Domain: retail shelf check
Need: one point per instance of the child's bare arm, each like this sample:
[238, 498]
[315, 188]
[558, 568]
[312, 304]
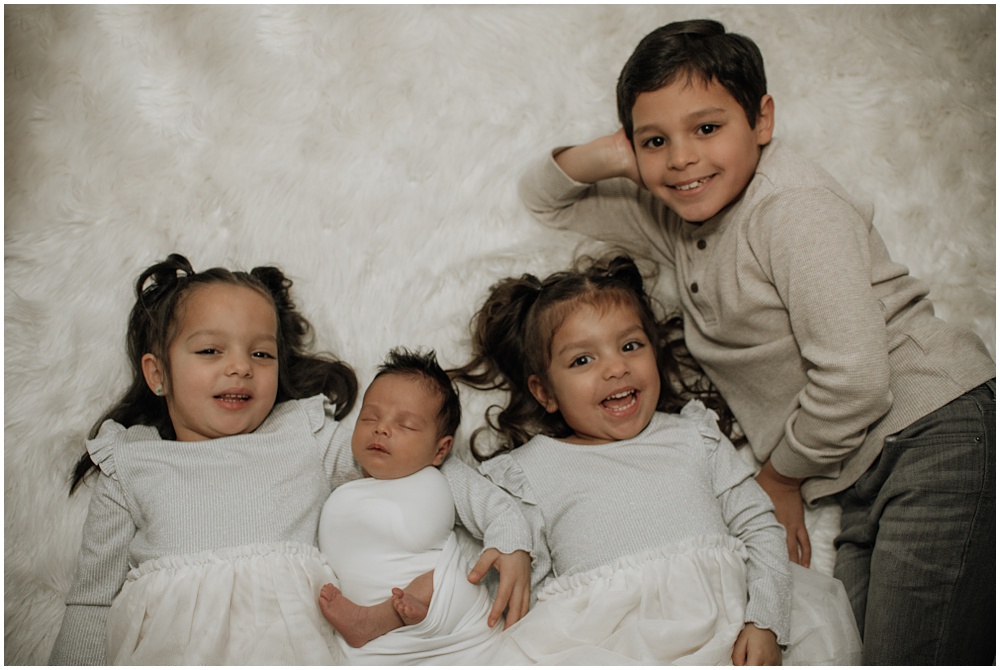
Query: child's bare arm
[514, 590]
[756, 646]
[603, 158]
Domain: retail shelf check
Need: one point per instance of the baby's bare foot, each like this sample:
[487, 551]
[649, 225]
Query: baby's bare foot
[356, 624]
[409, 608]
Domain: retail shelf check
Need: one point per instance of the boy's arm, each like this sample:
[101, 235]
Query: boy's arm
[786, 496]
[613, 209]
[816, 249]
[101, 571]
[603, 158]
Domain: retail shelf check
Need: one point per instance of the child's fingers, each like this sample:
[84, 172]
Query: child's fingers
[805, 547]
[740, 651]
[483, 565]
[500, 604]
[518, 606]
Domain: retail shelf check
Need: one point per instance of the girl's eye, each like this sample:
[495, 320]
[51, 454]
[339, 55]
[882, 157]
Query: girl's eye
[263, 354]
[654, 142]
[634, 345]
[580, 360]
[208, 351]
[707, 128]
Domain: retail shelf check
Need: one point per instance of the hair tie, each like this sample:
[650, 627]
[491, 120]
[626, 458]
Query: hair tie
[533, 282]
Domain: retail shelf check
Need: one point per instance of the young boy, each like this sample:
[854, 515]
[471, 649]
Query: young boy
[827, 351]
[399, 520]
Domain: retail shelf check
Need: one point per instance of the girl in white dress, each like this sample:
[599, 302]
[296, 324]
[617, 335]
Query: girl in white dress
[652, 541]
[199, 544]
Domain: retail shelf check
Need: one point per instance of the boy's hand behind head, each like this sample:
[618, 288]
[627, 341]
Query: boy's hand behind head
[606, 157]
[624, 155]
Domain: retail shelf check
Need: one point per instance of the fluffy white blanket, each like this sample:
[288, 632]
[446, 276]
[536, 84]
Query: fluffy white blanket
[372, 153]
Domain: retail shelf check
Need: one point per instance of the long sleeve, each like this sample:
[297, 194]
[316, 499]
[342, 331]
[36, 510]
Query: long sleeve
[750, 516]
[504, 472]
[334, 440]
[101, 571]
[836, 320]
[486, 511]
[614, 210]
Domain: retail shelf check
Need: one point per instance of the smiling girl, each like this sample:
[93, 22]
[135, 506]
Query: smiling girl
[653, 543]
[199, 545]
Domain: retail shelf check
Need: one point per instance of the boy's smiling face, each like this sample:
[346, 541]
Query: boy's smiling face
[694, 146]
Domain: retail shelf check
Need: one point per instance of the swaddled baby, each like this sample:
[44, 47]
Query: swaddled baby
[392, 532]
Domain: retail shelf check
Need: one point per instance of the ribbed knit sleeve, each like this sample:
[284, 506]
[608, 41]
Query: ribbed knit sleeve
[749, 514]
[333, 440]
[101, 571]
[505, 472]
[485, 510]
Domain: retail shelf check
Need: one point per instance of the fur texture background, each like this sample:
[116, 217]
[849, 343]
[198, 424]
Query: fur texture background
[372, 153]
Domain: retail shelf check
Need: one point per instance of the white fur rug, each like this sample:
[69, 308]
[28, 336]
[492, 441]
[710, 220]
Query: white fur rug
[372, 153]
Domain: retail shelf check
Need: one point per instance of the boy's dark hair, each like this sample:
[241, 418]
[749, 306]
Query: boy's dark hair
[512, 336]
[401, 361]
[700, 48]
[160, 292]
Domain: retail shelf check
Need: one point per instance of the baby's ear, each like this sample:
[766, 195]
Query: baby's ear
[542, 395]
[443, 449]
[154, 374]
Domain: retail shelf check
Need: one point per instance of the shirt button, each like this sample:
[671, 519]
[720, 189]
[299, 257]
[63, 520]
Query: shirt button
[694, 287]
[702, 244]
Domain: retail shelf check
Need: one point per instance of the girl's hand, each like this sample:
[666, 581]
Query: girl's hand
[756, 646]
[603, 158]
[514, 591]
[786, 494]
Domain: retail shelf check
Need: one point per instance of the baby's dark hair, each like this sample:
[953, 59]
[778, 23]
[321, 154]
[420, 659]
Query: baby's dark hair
[700, 49]
[160, 293]
[512, 336]
[424, 365]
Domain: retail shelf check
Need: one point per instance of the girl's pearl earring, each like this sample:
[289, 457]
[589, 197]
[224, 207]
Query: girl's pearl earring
[158, 391]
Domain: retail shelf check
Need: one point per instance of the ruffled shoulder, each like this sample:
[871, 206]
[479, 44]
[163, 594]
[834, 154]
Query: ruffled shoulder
[504, 471]
[705, 420]
[317, 410]
[728, 467]
[113, 436]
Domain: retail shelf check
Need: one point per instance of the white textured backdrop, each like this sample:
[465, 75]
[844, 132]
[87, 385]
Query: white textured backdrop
[372, 153]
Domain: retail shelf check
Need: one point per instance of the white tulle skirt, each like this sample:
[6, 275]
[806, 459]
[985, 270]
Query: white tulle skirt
[682, 604]
[252, 605]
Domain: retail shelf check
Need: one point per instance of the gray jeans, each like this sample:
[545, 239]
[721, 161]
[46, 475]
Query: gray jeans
[917, 548]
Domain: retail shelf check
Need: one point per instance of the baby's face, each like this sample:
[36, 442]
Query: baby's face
[397, 432]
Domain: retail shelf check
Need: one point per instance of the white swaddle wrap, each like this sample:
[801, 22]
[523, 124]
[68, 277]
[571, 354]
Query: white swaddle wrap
[382, 533]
